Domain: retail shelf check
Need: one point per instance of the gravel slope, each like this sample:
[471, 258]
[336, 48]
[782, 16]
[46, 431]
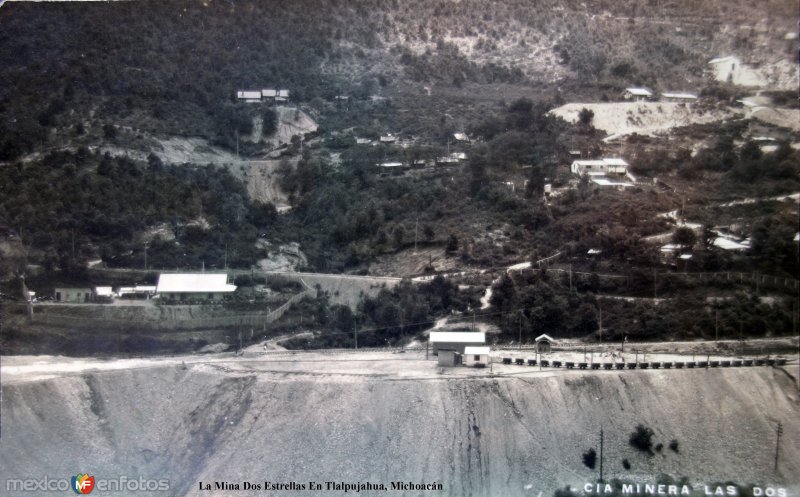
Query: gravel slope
[508, 436]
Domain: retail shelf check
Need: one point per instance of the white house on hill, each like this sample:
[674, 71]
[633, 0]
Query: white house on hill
[248, 96]
[638, 94]
[599, 167]
[194, 286]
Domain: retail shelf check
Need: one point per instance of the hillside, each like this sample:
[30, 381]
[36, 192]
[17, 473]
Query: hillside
[174, 67]
[355, 418]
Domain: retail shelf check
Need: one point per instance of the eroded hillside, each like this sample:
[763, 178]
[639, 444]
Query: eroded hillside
[516, 435]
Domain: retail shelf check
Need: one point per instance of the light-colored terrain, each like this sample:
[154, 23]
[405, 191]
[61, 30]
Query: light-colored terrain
[343, 289]
[178, 150]
[644, 118]
[291, 122]
[383, 417]
[261, 179]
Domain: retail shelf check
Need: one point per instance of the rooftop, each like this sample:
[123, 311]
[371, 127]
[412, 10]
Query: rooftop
[458, 336]
[686, 96]
[642, 92]
[194, 283]
[613, 161]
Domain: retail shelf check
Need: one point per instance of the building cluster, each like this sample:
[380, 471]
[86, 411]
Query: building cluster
[256, 96]
[171, 288]
[605, 172]
[468, 348]
[643, 95]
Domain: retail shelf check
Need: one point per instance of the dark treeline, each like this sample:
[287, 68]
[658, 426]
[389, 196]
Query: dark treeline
[72, 207]
[393, 317]
[180, 63]
[535, 302]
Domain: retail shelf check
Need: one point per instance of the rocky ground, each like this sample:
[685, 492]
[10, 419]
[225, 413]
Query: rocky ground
[382, 417]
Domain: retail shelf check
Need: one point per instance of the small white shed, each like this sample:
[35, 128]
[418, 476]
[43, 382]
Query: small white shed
[474, 356]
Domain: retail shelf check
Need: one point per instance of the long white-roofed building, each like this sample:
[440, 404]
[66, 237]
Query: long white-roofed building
[456, 341]
[183, 287]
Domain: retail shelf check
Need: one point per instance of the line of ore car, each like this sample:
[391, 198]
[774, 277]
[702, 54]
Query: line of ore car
[647, 365]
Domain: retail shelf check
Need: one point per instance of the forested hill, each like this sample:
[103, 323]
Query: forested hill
[173, 66]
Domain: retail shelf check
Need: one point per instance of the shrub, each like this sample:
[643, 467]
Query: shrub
[626, 464]
[659, 447]
[642, 439]
[590, 458]
[673, 445]
[564, 492]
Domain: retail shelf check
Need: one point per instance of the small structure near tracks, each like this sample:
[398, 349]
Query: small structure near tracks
[543, 343]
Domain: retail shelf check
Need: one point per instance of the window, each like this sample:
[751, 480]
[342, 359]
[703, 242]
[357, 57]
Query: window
[477, 357]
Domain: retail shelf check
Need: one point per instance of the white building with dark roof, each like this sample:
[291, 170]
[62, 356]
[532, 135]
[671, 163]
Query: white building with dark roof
[194, 286]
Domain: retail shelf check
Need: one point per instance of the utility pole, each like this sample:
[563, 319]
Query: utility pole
[778, 432]
[416, 225]
[145, 257]
[355, 334]
[520, 331]
[655, 284]
[601, 455]
[570, 278]
[600, 308]
[716, 325]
